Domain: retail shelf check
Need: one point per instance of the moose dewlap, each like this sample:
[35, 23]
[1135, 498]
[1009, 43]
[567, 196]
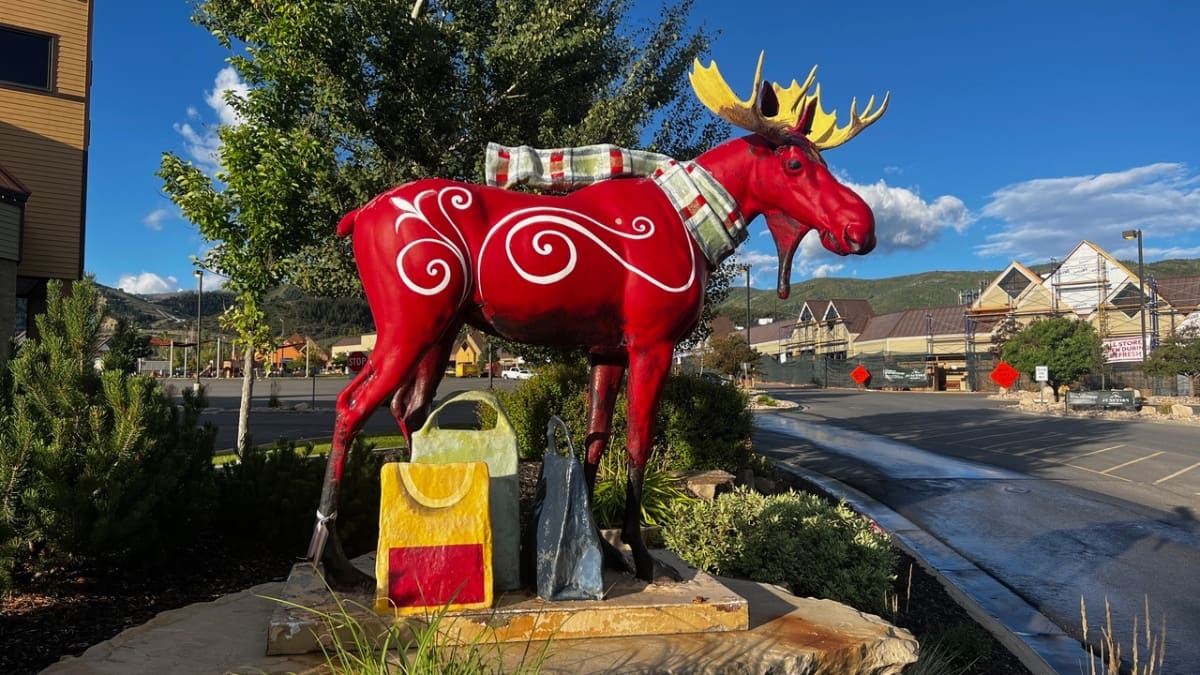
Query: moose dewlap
[435, 538]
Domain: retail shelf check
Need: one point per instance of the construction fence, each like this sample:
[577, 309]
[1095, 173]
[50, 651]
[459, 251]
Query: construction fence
[915, 371]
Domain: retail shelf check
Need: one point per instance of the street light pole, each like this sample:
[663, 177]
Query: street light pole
[746, 269]
[199, 274]
[1137, 234]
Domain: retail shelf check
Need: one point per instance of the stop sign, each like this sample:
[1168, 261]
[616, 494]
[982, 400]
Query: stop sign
[356, 360]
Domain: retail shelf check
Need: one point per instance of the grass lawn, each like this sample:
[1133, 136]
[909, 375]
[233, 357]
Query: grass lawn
[378, 441]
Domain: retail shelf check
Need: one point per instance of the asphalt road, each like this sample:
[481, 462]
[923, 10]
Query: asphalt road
[1057, 509]
[1149, 463]
[306, 410]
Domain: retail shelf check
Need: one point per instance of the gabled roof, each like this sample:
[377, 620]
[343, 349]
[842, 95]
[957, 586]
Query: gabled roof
[855, 312]
[815, 307]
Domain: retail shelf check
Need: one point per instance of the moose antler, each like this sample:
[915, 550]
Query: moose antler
[796, 111]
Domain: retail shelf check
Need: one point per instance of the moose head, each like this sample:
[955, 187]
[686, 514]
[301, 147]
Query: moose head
[787, 180]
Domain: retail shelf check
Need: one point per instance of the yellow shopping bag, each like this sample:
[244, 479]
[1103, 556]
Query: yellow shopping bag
[435, 538]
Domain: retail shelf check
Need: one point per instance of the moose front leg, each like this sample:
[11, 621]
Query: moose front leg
[648, 369]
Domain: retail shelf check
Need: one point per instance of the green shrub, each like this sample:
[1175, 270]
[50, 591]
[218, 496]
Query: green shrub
[704, 425]
[269, 497]
[97, 468]
[556, 389]
[660, 491]
[701, 424]
[797, 540]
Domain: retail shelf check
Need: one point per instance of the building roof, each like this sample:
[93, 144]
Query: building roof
[1182, 293]
[771, 332]
[348, 342]
[946, 320]
[855, 312]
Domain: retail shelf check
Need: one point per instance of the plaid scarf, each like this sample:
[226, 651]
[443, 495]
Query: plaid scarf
[708, 212]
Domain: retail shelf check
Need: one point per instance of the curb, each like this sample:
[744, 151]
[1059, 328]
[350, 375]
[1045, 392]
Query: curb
[1038, 643]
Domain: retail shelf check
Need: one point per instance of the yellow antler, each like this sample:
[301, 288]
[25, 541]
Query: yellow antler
[823, 132]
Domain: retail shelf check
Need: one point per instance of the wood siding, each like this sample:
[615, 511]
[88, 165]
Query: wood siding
[43, 137]
[10, 232]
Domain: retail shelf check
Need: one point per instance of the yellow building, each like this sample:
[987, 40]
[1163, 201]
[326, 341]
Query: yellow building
[45, 80]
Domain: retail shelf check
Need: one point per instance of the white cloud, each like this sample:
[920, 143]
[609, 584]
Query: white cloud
[227, 81]
[822, 271]
[763, 267]
[1050, 215]
[202, 143]
[146, 283]
[905, 221]
[154, 220]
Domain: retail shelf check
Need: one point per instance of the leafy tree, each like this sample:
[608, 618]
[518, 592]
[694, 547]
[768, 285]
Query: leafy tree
[271, 178]
[727, 354]
[407, 92]
[1177, 354]
[1070, 348]
[95, 466]
[126, 345]
[1004, 331]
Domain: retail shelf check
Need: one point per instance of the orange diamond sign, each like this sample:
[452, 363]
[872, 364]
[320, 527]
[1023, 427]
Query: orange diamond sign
[1004, 375]
[860, 374]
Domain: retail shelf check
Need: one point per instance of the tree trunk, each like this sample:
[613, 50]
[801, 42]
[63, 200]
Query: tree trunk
[244, 410]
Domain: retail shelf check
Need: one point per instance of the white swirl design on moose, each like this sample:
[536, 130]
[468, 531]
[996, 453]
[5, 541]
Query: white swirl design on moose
[437, 267]
[640, 228]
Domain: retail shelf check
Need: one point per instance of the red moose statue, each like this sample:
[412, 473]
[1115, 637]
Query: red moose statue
[618, 267]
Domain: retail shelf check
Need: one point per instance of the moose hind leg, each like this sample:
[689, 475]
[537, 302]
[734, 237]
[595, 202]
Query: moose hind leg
[390, 366]
[605, 383]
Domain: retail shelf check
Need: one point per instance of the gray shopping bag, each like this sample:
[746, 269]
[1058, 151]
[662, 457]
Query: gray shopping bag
[561, 543]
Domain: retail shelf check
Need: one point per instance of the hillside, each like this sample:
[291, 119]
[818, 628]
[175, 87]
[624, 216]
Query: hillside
[928, 289]
[291, 310]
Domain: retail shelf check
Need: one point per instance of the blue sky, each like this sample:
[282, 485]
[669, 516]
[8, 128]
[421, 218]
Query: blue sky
[1016, 129]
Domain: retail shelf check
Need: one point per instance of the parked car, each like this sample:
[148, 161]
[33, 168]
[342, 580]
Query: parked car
[516, 373]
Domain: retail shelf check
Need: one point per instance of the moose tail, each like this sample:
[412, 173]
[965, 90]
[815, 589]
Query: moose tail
[346, 224]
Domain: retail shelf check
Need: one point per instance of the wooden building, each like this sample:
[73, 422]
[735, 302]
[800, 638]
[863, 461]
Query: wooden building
[45, 81]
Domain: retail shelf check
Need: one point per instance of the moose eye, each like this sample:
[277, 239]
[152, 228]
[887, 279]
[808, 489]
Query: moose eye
[793, 165]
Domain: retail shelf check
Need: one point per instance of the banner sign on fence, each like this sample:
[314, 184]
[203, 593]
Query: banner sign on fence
[1123, 400]
[1117, 350]
[914, 376]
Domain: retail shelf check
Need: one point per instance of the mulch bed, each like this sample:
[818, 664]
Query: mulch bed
[65, 613]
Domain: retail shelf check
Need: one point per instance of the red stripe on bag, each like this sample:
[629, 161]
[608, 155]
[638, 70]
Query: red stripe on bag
[431, 576]
[556, 166]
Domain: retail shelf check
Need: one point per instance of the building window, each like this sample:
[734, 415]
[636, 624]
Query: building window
[25, 58]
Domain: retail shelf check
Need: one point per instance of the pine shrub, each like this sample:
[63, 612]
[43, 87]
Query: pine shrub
[97, 467]
[269, 497]
[796, 540]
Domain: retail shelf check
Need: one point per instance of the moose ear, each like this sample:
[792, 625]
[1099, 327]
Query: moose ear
[804, 124]
[768, 101]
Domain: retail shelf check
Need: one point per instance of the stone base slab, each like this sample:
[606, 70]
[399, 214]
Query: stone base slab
[631, 607]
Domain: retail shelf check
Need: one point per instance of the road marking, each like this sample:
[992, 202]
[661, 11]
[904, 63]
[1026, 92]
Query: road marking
[1177, 473]
[1096, 452]
[1132, 461]
[1039, 449]
[1100, 473]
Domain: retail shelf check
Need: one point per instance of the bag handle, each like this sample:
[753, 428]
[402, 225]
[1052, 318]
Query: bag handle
[502, 423]
[552, 440]
[435, 502]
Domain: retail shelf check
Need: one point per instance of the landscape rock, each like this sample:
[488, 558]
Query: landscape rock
[708, 484]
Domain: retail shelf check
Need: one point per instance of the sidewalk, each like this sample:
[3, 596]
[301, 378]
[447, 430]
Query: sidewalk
[1018, 552]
